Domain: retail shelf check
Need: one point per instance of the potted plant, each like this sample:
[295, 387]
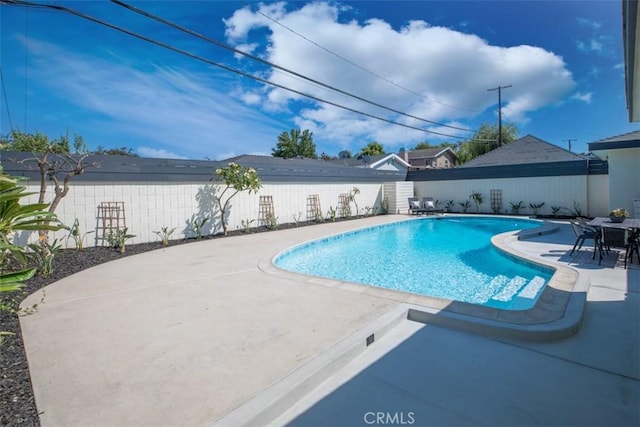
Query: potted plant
[618, 215]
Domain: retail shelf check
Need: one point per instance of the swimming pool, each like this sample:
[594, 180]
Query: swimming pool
[444, 257]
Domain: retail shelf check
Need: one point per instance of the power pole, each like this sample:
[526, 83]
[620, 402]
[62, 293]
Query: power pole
[499, 89]
[569, 142]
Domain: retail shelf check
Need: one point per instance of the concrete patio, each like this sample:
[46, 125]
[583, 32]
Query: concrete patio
[200, 334]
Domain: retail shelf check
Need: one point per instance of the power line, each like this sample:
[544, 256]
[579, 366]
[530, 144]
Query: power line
[361, 67]
[208, 61]
[6, 100]
[271, 64]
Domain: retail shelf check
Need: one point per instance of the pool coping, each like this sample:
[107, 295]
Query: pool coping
[557, 314]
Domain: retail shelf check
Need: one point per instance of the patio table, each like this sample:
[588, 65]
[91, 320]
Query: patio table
[601, 221]
[629, 223]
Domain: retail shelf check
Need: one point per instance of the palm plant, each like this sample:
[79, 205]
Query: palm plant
[477, 199]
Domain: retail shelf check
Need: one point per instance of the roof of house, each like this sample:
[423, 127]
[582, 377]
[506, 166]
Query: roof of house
[371, 161]
[270, 169]
[358, 160]
[429, 153]
[525, 150]
[303, 169]
[626, 140]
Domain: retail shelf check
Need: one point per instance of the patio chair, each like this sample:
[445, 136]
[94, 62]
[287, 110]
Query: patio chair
[620, 238]
[430, 206]
[583, 232]
[415, 207]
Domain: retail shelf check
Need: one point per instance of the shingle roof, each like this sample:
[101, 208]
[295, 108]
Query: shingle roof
[427, 153]
[361, 161]
[626, 140]
[277, 169]
[358, 160]
[270, 169]
[525, 150]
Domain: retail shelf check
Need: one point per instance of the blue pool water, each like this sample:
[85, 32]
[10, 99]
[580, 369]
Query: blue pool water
[444, 257]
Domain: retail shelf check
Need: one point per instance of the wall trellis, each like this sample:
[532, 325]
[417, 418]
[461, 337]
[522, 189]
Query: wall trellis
[314, 211]
[111, 217]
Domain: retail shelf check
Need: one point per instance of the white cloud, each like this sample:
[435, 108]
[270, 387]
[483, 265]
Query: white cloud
[157, 154]
[591, 45]
[178, 112]
[584, 97]
[589, 23]
[449, 70]
[248, 48]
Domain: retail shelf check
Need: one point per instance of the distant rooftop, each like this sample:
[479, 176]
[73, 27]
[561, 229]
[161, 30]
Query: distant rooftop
[525, 150]
[427, 153]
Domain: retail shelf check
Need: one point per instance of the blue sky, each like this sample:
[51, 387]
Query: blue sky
[429, 63]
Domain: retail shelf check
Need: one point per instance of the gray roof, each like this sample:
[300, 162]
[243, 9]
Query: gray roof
[139, 169]
[626, 140]
[427, 153]
[276, 169]
[359, 160]
[525, 150]
[118, 168]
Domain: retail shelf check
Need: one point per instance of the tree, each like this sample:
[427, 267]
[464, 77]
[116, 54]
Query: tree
[122, 151]
[485, 140]
[236, 178]
[372, 149]
[423, 145]
[295, 144]
[53, 158]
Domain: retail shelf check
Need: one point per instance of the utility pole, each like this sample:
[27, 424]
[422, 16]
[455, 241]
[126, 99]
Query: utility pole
[569, 142]
[499, 89]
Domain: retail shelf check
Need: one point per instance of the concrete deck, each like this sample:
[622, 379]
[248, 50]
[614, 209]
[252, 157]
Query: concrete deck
[204, 334]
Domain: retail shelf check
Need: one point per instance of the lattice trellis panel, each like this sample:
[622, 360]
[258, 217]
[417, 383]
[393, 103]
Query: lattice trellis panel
[314, 211]
[111, 217]
[266, 211]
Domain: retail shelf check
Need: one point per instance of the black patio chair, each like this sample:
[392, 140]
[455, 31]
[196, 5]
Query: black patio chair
[620, 238]
[583, 233]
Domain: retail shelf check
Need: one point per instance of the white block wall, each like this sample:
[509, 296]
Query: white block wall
[153, 205]
[590, 193]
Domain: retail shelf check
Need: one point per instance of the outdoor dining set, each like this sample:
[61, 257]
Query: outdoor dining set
[607, 233]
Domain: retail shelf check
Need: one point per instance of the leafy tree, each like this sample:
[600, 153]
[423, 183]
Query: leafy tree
[372, 149]
[37, 142]
[485, 140]
[53, 158]
[122, 151]
[236, 178]
[423, 145]
[296, 143]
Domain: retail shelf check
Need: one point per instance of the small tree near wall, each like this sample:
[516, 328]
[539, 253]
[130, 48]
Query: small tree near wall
[236, 178]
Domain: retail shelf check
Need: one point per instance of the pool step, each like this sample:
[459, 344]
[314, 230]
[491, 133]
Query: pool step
[510, 289]
[531, 290]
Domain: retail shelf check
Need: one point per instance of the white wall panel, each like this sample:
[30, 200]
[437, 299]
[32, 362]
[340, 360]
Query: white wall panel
[151, 206]
[553, 191]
